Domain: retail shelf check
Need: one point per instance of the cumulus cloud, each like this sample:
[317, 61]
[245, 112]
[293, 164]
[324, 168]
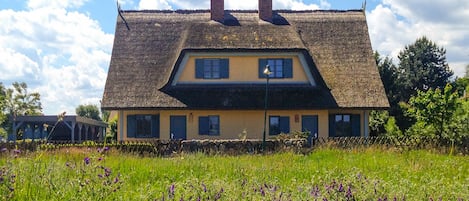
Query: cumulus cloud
[154, 4]
[62, 54]
[33, 4]
[393, 24]
[232, 5]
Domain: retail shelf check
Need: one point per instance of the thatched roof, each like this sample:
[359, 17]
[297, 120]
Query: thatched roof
[335, 43]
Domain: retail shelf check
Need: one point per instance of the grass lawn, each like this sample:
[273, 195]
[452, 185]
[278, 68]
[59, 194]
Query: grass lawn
[325, 174]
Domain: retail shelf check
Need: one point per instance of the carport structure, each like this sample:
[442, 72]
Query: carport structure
[67, 128]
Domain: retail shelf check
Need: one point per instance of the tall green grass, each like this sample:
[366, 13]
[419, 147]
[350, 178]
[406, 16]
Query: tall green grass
[331, 174]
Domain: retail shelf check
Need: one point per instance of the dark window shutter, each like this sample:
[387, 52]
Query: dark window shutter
[331, 125]
[284, 124]
[199, 68]
[287, 68]
[224, 68]
[155, 126]
[203, 126]
[131, 126]
[355, 121]
[262, 64]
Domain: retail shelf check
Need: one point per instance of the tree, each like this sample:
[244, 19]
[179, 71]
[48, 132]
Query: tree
[460, 85]
[389, 76]
[89, 111]
[3, 116]
[422, 66]
[20, 102]
[17, 101]
[435, 109]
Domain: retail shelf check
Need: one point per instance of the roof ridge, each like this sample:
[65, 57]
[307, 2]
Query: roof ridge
[188, 11]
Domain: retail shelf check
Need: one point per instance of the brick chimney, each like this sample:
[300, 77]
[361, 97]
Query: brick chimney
[217, 10]
[265, 10]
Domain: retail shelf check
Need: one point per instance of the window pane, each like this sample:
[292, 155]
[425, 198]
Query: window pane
[207, 71]
[346, 118]
[338, 118]
[215, 72]
[271, 63]
[279, 62]
[143, 126]
[214, 125]
[215, 62]
[274, 125]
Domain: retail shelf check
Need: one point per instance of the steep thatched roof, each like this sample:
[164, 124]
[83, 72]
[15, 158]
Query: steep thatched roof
[335, 43]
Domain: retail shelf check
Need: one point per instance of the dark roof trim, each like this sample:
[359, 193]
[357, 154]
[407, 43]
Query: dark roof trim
[179, 11]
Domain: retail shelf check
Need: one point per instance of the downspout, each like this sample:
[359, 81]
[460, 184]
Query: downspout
[121, 126]
[365, 123]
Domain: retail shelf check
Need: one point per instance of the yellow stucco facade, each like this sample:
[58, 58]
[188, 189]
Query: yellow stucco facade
[234, 122]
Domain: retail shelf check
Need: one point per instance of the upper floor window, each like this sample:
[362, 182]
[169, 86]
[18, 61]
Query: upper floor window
[280, 68]
[211, 68]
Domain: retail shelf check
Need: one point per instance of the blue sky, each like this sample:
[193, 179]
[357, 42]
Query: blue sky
[62, 48]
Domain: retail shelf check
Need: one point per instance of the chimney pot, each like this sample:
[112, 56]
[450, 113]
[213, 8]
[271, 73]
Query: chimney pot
[265, 10]
[217, 10]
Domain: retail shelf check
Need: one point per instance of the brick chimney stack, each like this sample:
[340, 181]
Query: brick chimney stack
[217, 10]
[265, 10]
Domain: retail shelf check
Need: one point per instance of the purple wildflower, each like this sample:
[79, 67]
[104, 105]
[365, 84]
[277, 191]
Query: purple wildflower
[106, 149]
[87, 160]
[17, 151]
[100, 159]
[116, 179]
[349, 192]
[171, 191]
[100, 175]
[261, 190]
[107, 172]
[4, 149]
[341, 188]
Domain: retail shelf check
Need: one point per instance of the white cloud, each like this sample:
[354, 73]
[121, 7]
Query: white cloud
[15, 64]
[154, 4]
[63, 55]
[397, 23]
[230, 5]
[34, 4]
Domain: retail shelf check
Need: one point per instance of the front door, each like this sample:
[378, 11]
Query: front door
[309, 123]
[177, 127]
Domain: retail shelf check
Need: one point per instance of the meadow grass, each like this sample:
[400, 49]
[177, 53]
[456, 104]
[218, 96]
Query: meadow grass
[324, 174]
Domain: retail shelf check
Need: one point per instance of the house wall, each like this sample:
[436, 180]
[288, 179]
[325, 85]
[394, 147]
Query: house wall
[243, 68]
[233, 123]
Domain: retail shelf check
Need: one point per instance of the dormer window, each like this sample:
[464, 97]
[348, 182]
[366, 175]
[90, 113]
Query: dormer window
[280, 68]
[211, 68]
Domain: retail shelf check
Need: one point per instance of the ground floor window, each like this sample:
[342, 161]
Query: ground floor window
[209, 125]
[279, 124]
[344, 125]
[143, 126]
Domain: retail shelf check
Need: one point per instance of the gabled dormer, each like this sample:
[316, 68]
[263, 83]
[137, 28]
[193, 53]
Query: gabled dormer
[242, 68]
